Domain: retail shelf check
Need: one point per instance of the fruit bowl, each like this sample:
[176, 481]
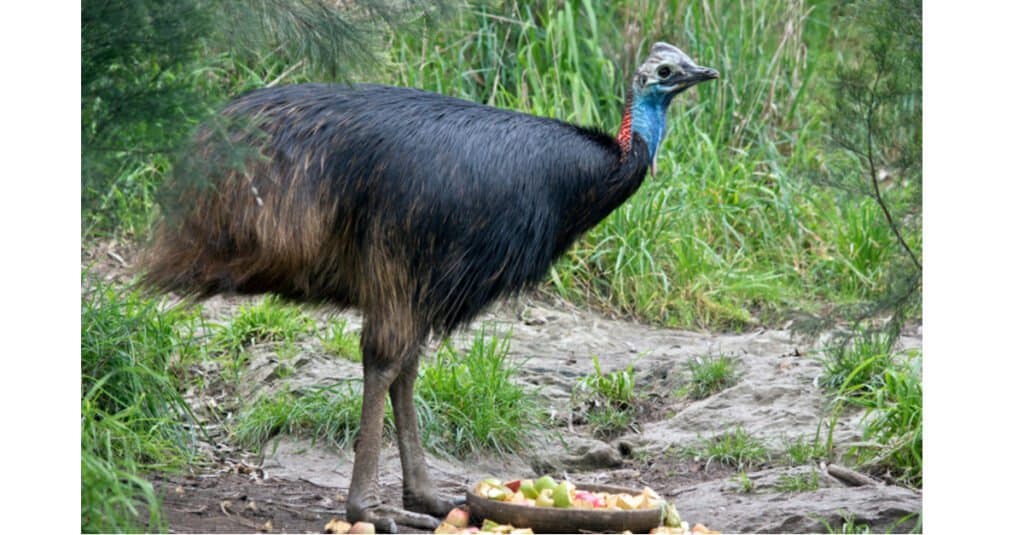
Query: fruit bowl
[566, 520]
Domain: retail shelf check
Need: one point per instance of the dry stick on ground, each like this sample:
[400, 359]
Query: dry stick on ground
[850, 477]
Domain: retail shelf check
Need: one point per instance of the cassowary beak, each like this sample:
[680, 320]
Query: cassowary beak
[701, 74]
[692, 75]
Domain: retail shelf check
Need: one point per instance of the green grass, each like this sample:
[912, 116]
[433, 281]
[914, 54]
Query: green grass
[267, 320]
[337, 340]
[736, 448]
[801, 451]
[466, 402]
[131, 412]
[807, 481]
[609, 399]
[471, 401]
[710, 375]
[869, 375]
[746, 486]
[856, 367]
[322, 413]
[908, 524]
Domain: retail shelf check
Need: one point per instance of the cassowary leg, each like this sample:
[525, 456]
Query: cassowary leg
[364, 500]
[418, 491]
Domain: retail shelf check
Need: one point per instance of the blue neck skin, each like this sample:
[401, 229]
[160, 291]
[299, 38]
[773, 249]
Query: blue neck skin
[648, 111]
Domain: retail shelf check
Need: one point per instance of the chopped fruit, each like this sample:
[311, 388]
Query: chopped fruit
[458, 517]
[513, 485]
[363, 528]
[337, 526]
[527, 488]
[670, 517]
[546, 482]
[562, 495]
[544, 499]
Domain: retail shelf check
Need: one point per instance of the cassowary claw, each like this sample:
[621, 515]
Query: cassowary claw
[385, 519]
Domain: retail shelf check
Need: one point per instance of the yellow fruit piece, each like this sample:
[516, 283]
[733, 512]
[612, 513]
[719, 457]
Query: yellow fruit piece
[544, 499]
[337, 526]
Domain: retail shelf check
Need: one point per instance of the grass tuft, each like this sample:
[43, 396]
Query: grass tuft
[855, 368]
[337, 340]
[736, 448]
[131, 414]
[888, 389]
[609, 399]
[472, 402]
[323, 413]
[268, 320]
[710, 375]
[807, 481]
[801, 452]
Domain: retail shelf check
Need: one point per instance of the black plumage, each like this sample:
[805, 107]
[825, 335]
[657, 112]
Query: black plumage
[416, 208]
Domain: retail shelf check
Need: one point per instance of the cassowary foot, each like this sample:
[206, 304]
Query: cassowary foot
[430, 504]
[386, 519]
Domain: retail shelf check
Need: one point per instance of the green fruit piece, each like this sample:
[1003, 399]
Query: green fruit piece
[544, 499]
[498, 493]
[546, 482]
[670, 516]
[528, 489]
[561, 495]
[494, 482]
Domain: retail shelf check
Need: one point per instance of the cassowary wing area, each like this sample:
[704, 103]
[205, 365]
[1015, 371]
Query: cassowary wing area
[742, 334]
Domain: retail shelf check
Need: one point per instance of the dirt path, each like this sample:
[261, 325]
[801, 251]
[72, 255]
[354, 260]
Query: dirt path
[298, 486]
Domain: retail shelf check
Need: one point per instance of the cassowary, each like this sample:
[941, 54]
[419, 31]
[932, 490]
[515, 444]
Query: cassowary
[415, 208]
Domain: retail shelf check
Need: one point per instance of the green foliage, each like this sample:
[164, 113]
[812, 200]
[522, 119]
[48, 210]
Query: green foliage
[855, 366]
[268, 320]
[800, 451]
[806, 481]
[893, 426]
[746, 485]
[614, 387]
[876, 130]
[322, 413]
[888, 388]
[465, 403]
[132, 413]
[152, 70]
[736, 448]
[710, 375]
[472, 402]
[336, 340]
[609, 399]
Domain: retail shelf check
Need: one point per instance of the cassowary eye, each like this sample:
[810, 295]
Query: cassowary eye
[663, 72]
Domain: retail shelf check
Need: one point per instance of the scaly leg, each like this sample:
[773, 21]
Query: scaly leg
[364, 502]
[418, 491]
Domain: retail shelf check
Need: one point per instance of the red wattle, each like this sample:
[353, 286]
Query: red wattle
[625, 137]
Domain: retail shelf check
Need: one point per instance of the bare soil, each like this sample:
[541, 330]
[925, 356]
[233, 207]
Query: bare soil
[294, 485]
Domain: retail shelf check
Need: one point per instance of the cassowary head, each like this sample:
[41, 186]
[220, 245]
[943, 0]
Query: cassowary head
[665, 73]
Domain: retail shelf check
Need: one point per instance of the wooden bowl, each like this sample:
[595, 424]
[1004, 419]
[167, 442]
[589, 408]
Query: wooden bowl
[564, 520]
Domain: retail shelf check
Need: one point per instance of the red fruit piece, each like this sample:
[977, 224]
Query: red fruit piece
[458, 517]
[514, 485]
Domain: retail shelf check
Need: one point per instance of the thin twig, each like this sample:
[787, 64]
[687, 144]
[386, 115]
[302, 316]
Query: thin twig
[874, 174]
[286, 72]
